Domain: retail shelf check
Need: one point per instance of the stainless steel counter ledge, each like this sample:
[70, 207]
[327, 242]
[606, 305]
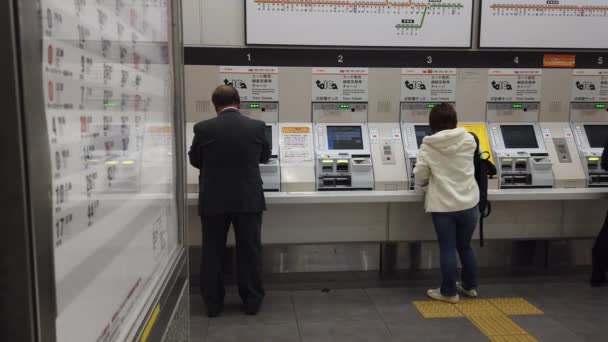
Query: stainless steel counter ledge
[411, 196]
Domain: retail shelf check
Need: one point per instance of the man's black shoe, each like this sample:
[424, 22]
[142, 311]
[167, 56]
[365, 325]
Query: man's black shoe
[214, 310]
[252, 308]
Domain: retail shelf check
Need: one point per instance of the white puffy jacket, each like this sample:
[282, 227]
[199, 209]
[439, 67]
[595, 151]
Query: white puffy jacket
[446, 172]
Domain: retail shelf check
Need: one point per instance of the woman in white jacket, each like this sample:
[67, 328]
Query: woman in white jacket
[446, 173]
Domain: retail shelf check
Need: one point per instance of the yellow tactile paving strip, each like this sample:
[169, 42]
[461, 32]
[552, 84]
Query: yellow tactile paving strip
[515, 306]
[490, 316]
[496, 325]
[477, 307]
[513, 338]
[437, 309]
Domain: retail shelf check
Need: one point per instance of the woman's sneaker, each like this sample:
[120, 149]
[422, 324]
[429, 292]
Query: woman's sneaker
[469, 293]
[436, 294]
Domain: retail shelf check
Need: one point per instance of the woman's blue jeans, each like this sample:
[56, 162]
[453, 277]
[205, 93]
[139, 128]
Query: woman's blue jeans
[454, 232]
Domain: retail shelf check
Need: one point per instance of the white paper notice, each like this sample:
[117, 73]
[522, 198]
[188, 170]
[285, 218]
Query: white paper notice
[374, 135]
[253, 83]
[508, 85]
[568, 134]
[590, 85]
[420, 85]
[296, 144]
[547, 134]
[340, 84]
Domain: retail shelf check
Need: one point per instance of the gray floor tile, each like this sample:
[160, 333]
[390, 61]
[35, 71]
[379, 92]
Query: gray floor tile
[260, 332]
[573, 312]
[544, 328]
[448, 329]
[387, 296]
[198, 328]
[585, 325]
[345, 305]
[277, 309]
[197, 307]
[341, 331]
[395, 305]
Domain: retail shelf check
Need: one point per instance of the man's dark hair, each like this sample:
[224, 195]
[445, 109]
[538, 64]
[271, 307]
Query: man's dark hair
[442, 117]
[225, 95]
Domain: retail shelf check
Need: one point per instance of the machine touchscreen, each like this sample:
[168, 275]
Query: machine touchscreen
[344, 138]
[519, 136]
[421, 132]
[597, 135]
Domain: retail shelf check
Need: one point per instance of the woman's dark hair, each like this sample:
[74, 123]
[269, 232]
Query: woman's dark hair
[442, 117]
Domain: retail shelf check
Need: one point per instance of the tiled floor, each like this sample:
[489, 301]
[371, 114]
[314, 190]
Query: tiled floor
[573, 311]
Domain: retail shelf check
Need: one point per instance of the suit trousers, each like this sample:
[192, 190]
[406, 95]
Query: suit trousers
[247, 231]
[600, 254]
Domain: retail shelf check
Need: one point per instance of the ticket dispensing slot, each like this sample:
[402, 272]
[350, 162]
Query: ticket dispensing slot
[523, 161]
[414, 125]
[590, 128]
[343, 149]
[269, 113]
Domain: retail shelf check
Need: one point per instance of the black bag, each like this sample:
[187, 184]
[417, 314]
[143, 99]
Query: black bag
[600, 256]
[484, 169]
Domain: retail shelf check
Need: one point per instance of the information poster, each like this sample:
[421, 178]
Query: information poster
[296, 144]
[108, 92]
[253, 83]
[340, 84]
[419, 23]
[423, 85]
[514, 85]
[538, 24]
[590, 85]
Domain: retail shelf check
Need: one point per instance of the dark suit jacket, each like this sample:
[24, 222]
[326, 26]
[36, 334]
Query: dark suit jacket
[605, 158]
[228, 151]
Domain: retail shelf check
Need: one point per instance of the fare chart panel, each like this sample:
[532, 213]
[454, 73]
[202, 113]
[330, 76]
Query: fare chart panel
[108, 84]
[413, 23]
[544, 24]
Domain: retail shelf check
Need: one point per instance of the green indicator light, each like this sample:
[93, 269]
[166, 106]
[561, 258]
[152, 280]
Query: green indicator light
[254, 106]
[344, 106]
[600, 106]
[430, 105]
[518, 106]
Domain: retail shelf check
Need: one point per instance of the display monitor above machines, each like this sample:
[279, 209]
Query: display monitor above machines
[422, 131]
[519, 136]
[344, 138]
[597, 135]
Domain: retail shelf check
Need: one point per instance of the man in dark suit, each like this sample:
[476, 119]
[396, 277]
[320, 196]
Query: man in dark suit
[228, 150]
[600, 248]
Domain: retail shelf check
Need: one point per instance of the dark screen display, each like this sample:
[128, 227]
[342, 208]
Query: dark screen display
[421, 132]
[519, 136]
[597, 135]
[344, 138]
[269, 134]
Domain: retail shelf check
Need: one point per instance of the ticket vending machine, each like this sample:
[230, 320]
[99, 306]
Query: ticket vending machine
[590, 126]
[415, 126]
[517, 141]
[269, 113]
[342, 147]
